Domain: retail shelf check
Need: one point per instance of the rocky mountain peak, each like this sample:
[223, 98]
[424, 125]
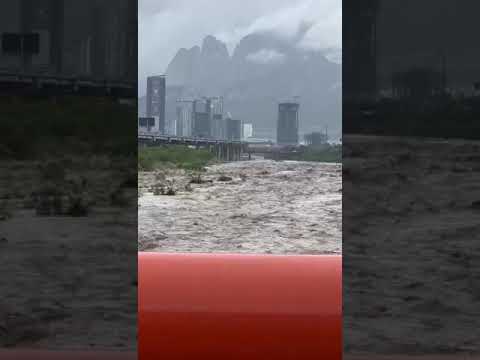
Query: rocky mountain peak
[211, 46]
[263, 69]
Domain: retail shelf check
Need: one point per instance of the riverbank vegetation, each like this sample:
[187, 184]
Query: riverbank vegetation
[151, 158]
[321, 153]
[184, 157]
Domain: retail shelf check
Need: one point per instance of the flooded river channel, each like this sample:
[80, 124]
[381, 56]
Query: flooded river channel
[259, 206]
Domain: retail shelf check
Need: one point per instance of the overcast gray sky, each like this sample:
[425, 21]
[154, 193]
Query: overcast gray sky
[168, 25]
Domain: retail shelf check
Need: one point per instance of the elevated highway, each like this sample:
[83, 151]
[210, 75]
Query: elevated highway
[226, 150]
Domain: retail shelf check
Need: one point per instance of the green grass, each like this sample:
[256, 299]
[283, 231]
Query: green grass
[150, 158]
[324, 153]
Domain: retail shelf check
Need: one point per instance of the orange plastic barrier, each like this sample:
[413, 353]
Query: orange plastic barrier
[216, 306]
[65, 355]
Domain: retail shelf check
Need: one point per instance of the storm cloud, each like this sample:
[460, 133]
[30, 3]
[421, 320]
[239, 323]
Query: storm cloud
[266, 56]
[167, 25]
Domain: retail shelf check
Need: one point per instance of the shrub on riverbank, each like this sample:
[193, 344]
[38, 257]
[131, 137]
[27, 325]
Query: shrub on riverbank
[150, 158]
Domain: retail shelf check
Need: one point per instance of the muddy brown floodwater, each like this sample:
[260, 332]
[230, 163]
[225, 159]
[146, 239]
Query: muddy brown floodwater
[68, 282]
[411, 254]
[259, 206]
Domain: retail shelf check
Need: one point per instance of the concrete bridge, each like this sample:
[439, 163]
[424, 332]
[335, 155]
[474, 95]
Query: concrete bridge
[225, 150]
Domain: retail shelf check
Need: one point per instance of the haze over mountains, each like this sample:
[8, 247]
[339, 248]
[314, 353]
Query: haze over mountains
[262, 70]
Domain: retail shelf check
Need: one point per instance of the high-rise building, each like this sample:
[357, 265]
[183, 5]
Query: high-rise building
[202, 118]
[218, 126]
[247, 131]
[208, 118]
[32, 35]
[156, 99]
[234, 129]
[172, 94]
[94, 39]
[360, 48]
[146, 124]
[316, 138]
[171, 126]
[287, 125]
[184, 117]
[217, 121]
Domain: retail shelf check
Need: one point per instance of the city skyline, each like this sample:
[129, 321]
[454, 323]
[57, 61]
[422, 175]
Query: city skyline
[205, 117]
[256, 103]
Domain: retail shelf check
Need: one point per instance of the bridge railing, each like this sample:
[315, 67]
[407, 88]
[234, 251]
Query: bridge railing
[172, 138]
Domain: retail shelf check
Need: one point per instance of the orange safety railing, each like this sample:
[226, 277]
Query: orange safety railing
[218, 306]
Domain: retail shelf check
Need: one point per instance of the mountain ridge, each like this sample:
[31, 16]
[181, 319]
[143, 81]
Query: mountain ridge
[262, 70]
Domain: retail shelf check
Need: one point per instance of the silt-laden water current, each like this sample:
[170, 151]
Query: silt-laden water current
[261, 206]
